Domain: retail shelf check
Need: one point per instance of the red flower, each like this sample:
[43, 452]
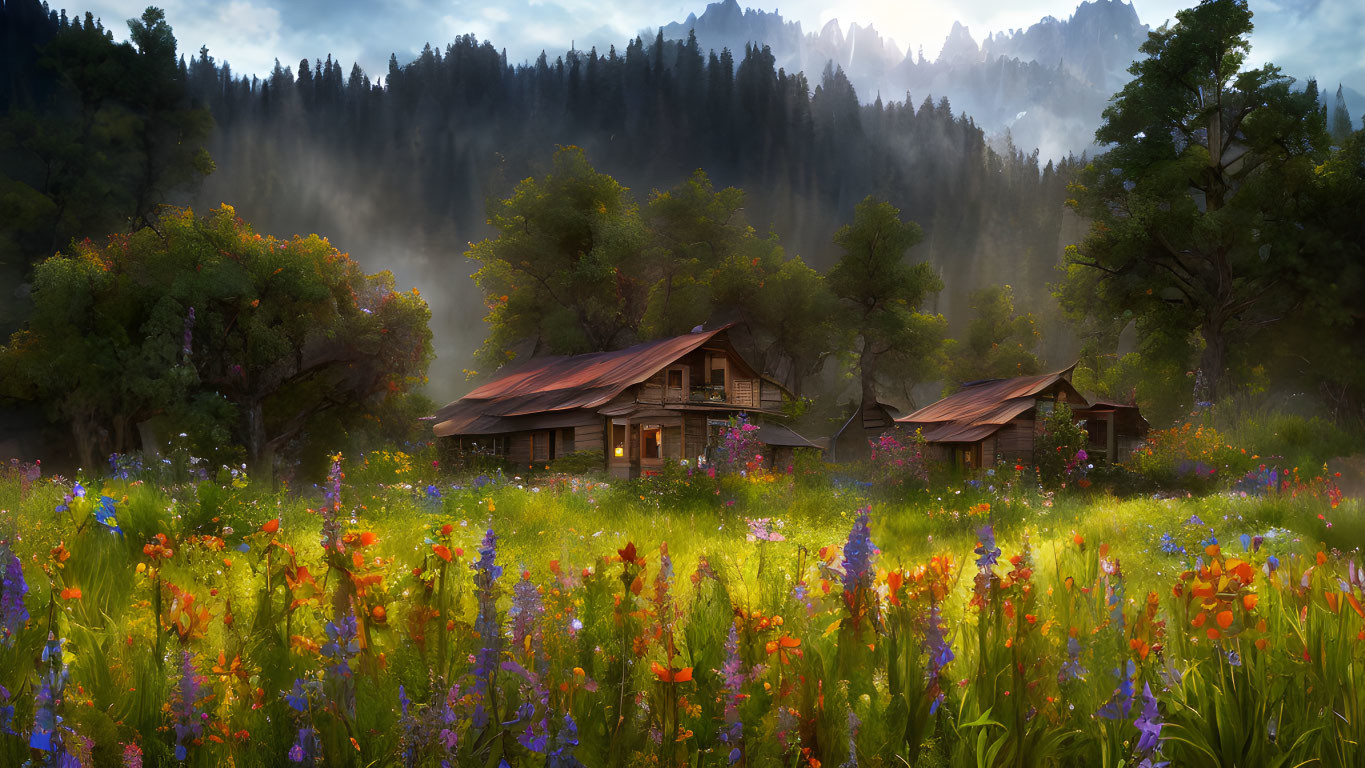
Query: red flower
[442, 551]
[667, 675]
[272, 526]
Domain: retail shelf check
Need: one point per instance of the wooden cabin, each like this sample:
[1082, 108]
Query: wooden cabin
[997, 421]
[639, 407]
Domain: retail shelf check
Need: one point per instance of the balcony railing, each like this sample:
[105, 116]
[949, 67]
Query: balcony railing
[708, 393]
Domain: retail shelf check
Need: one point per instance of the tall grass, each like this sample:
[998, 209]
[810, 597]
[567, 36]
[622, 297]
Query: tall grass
[579, 622]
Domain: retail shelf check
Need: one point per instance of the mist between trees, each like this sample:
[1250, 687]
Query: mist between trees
[409, 170]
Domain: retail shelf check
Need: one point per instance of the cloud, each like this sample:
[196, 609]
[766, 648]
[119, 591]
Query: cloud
[1308, 38]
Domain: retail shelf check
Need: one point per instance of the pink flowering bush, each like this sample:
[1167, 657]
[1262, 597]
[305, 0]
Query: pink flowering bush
[899, 459]
[739, 450]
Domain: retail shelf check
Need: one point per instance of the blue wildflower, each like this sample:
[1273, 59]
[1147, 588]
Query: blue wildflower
[6, 713]
[1071, 668]
[305, 748]
[988, 554]
[1121, 702]
[940, 652]
[733, 677]
[486, 573]
[858, 554]
[13, 614]
[185, 709]
[1170, 546]
[342, 646]
[104, 514]
[331, 509]
[565, 740]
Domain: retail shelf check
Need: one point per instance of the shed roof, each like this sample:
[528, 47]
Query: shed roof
[779, 434]
[981, 408]
[994, 401]
[551, 384]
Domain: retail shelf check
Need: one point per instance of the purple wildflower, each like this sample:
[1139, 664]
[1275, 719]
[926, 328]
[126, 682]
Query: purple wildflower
[342, 646]
[1149, 722]
[13, 614]
[1071, 668]
[565, 740]
[764, 529]
[988, 554]
[1121, 702]
[733, 676]
[486, 573]
[525, 612]
[6, 713]
[305, 748]
[132, 756]
[858, 554]
[940, 652]
[527, 629]
[185, 706]
[331, 509]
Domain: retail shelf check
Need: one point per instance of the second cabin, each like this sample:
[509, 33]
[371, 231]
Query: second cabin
[998, 421]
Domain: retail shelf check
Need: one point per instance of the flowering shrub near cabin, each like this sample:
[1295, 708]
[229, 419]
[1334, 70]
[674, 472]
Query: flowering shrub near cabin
[899, 459]
[144, 629]
[1196, 457]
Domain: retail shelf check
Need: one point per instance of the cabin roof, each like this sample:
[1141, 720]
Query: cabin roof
[552, 384]
[982, 407]
[780, 434]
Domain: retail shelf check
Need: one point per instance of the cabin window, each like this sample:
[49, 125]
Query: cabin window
[618, 440]
[675, 379]
[566, 440]
[651, 441]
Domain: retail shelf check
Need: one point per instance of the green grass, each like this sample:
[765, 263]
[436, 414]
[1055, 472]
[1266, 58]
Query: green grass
[564, 535]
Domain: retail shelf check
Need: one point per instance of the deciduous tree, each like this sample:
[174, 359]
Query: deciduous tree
[1188, 230]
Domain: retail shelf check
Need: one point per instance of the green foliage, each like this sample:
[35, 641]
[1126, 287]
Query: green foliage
[882, 296]
[576, 267]
[558, 272]
[1290, 440]
[577, 463]
[999, 344]
[109, 134]
[1187, 234]
[204, 325]
[1161, 387]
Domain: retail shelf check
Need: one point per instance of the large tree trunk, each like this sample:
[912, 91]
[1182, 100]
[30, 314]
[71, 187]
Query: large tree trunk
[1213, 360]
[85, 442]
[260, 453]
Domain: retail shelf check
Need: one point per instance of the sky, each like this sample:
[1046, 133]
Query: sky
[1307, 38]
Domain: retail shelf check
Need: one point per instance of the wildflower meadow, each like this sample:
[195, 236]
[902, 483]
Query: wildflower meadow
[399, 614]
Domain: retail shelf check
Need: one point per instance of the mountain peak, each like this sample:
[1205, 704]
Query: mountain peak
[959, 46]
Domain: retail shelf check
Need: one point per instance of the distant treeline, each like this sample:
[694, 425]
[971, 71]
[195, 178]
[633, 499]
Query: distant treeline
[447, 131]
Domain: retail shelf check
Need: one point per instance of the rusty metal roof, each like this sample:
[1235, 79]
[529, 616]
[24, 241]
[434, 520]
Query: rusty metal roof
[544, 385]
[981, 408]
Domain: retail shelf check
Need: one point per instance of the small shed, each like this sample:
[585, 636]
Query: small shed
[867, 422]
[995, 420]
